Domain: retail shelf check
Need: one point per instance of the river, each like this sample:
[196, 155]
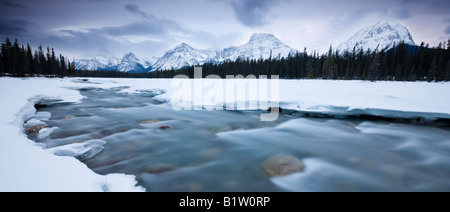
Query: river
[199, 151]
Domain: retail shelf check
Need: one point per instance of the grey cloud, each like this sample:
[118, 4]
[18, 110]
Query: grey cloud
[15, 5]
[157, 27]
[135, 9]
[148, 26]
[14, 27]
[402, 14]
[447, 30]
[252, 13]
[104, 37]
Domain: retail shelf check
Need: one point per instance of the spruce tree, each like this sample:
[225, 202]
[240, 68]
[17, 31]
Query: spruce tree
[329, 65]
[30, 62]
[1, 65]
[431, 76]
[374, 68]
[447, 71]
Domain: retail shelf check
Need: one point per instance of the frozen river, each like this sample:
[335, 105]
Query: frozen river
[171, 150]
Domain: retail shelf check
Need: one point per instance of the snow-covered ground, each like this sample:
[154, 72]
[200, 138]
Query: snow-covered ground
[26, 166]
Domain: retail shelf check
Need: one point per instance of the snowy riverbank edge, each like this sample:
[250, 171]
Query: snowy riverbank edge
[25, 166]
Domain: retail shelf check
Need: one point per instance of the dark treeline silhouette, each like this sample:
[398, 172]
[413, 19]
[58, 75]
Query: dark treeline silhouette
[402, 63]
[20, 61]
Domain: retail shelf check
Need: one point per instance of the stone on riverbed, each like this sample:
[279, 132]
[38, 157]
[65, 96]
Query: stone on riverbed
[34, 126]
[165, 127]
[159, 168]
[35, 129]
[149, 121]
[281, 165]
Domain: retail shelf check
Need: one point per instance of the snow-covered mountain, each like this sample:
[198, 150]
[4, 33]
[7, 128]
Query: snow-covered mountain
[129, 63]
[259, 46]
[183, 55]
[381, 34]
[100, 63]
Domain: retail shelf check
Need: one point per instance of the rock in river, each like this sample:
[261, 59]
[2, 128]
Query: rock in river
[149, 121]
[165, 127]
[35, 129]
[280, 165]
[158, 168]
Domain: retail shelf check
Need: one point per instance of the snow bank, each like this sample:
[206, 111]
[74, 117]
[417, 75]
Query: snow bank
[323, 96]
[26, 166]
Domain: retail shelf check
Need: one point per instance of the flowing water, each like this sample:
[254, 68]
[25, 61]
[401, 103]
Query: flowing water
[171, 150]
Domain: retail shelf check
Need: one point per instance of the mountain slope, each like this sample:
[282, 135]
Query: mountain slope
[382, 35]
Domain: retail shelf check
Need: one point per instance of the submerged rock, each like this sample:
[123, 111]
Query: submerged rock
[159, 168]
[69, 117]
[221, 129]
[209, 153]
[149, 121]
[165, 127]
[280, 165]
[35, 129]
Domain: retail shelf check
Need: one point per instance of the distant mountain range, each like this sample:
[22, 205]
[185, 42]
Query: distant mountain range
[261, 45]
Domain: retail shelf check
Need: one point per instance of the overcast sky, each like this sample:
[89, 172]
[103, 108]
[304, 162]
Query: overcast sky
[85, 28]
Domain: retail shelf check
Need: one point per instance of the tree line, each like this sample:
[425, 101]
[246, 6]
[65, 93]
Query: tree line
[402, 63]
[19, 61]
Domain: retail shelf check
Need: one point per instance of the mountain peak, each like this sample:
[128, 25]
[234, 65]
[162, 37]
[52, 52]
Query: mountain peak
[129, 55]
[183, 45]
[382, 35]
[382, 24]
[257, 37]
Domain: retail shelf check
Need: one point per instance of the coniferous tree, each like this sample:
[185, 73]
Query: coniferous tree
[63, 66]
[431, 76]
[1, 65]
[328, 66]
[447, 71]
[30, 61]
[15, 58]
[374, 68]
[6, 52]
